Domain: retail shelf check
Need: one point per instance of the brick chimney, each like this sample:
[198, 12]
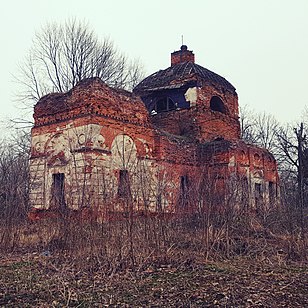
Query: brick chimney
[182, 55]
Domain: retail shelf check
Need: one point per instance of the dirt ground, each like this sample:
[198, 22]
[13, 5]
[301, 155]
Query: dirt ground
[39, 279]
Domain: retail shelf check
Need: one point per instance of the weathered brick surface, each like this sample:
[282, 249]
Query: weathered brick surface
[94, 135]
[90, 97]
[182, 55]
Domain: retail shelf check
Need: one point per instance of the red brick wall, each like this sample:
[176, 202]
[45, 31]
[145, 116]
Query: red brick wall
[182, 55]
[90, 97]
[200, 121]
[169, 141]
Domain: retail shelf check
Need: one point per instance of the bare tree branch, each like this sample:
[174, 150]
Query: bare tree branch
[64, 54]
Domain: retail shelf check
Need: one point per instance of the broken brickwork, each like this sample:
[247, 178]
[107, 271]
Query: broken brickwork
[160, 148]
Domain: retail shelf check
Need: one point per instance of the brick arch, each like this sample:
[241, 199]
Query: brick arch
[217, 104]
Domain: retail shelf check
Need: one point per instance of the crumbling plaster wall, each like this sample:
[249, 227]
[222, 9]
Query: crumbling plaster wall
[87, 154]
[90, 152]
[92, 155]
[242, 166]
[91, 145]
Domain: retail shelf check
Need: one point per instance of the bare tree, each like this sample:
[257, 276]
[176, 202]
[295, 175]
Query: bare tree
[14, 186]
[293, 146]
[266, 128]
[248, 124]
[64, 54]
[259, 128]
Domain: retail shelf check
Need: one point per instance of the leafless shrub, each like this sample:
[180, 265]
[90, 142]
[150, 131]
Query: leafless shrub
[212, 220]
[14, 184]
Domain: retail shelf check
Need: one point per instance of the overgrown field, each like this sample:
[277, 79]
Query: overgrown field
[33, 280]
[153, 262]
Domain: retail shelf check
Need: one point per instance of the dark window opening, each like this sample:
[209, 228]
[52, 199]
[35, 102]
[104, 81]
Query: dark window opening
[124, 184]
[216, 104]
[271, 192]
[183, 200]
[184, 184]
[159, 207]
[57, 190]
[164, 104]
[258, 194]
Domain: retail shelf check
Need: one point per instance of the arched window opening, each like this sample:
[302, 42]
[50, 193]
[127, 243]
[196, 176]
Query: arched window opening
[184, 193]
[216, 104]
[258, 195]
[164, 104]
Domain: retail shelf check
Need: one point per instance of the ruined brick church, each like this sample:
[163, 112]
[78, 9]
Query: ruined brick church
[173, 144]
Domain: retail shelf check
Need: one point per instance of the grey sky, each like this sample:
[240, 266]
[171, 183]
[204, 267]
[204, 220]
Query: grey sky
[261, 46]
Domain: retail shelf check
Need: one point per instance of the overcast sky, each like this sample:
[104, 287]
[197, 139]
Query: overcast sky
[260, 46]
